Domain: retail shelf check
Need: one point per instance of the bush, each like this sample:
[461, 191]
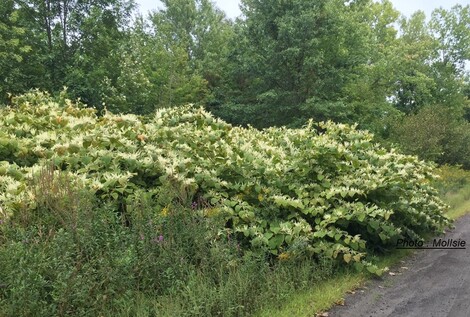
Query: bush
[183, 214]
[322, 190]
[435, 134]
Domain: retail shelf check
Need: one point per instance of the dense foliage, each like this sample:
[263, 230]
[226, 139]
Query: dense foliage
[324, 189]
[206, 214]
[435, 134]
[280, 63]
[73, 257]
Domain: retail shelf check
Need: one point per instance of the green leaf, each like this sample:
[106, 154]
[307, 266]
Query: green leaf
[276, 241]
[374, 224]
[358, 266]
[288, 239]
[383, 237]
[268, 235]
[361, 216]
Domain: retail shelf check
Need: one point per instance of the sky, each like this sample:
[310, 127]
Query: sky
[406, 7]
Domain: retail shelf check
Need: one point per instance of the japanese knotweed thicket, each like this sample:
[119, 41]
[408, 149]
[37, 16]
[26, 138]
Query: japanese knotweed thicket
[325, 189]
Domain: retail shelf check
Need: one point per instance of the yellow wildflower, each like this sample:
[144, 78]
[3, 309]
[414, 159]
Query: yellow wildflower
[283, 256]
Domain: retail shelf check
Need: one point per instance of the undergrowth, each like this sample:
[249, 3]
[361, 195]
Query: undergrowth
[76, 257]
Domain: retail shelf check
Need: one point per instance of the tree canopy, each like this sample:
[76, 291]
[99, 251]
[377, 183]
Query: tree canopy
[281, 63]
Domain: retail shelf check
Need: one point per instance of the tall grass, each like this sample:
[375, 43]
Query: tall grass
[454, 188]
[73, 256]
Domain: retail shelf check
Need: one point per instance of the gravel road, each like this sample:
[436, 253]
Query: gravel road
[431, 283]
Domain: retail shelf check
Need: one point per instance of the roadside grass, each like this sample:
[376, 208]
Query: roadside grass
[319, 298]
[327, 293]
[459, 202]
[240, 294]
[454, 189]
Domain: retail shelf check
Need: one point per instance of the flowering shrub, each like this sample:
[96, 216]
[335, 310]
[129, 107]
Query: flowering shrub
[325, 189]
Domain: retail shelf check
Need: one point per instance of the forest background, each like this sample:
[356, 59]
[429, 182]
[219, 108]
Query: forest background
[281, 63]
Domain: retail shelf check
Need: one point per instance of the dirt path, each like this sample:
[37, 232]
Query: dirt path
[432, 283]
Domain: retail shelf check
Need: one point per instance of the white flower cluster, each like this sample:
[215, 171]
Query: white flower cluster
[282, 188]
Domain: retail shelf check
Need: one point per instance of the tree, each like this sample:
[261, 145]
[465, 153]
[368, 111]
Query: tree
[94, 49]
[431, 85]
[434, 133]
[298, 57]
[151, 75]
[14, 49]
[67, 42]
[201, 31]
[414, 85]
[452, 29]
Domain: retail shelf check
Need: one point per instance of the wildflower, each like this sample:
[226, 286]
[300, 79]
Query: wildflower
[194, 205]
[158, 239]
[283, 256]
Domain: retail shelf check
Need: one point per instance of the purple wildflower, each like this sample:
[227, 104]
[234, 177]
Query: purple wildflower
[158, 239]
